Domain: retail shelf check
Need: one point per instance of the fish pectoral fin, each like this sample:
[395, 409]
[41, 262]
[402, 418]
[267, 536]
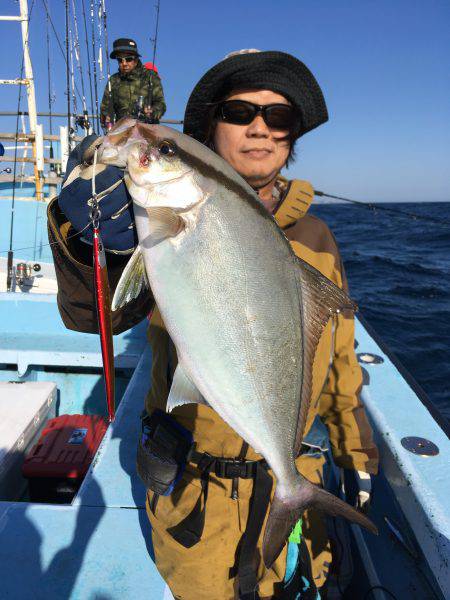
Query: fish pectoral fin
[132, 282]
[321, 299]
[183, 391]
[164, 222]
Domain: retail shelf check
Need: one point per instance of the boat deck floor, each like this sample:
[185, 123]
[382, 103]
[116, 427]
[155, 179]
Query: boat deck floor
[98, 547]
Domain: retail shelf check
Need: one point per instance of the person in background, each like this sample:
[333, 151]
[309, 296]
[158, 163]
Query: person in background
[134, 91]
[250, 108]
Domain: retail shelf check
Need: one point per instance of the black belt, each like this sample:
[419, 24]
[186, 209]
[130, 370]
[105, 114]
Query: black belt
[189, 531]
[227, 468]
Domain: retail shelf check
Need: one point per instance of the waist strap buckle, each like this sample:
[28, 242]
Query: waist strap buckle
[231, 468]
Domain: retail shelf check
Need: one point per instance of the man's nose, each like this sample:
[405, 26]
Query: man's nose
[258, 127]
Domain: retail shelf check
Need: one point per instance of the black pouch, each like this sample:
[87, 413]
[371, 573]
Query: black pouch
[163, 450]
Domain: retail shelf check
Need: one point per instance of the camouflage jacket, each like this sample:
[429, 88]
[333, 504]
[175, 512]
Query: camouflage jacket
[125, 92]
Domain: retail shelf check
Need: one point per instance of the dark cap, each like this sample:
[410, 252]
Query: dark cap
[124, 45]
[272, 70]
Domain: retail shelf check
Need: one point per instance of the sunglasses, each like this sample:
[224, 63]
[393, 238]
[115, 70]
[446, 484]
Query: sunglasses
[125, 59]
[241, 112]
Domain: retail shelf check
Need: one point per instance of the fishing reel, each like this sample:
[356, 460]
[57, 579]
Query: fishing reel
[25, 271]
[141, 115]
[83, 122]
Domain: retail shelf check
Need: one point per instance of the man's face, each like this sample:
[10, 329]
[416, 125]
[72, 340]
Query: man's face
[127, 62]
[256, 151]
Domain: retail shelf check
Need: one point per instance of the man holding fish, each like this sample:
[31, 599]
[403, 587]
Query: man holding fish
[260, 361]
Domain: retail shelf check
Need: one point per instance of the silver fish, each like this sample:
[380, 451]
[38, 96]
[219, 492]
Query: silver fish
[244, 312]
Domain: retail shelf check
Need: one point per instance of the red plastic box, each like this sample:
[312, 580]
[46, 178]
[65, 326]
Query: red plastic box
[57, 464]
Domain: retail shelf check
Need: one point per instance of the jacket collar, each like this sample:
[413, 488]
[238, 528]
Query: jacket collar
[296, 198]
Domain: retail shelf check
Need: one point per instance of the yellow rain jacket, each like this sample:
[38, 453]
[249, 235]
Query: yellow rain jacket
[207, 571]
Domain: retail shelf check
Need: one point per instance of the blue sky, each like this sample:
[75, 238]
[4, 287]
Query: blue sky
[384, 68]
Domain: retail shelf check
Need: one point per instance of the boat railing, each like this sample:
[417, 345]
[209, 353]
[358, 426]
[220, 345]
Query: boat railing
[61, 145]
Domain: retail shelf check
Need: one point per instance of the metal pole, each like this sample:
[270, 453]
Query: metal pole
[68, 70]
[30, 91]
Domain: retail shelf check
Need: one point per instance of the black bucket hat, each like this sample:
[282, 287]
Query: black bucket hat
[272, 70]
[124, 45]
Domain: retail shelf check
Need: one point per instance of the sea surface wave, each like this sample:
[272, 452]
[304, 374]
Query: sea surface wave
[398, 269]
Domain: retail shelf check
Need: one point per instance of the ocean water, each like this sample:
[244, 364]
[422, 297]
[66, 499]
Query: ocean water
[398, 270]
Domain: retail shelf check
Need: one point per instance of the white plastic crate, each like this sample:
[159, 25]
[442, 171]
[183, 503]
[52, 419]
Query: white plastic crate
[24, 410]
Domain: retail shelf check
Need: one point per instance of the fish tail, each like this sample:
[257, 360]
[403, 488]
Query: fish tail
[284, 515]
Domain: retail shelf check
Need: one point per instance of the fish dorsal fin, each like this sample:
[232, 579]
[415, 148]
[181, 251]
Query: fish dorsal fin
[132, 282]
[183, 391]
[321, 299]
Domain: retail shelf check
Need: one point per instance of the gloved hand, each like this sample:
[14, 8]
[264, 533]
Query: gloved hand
[117, 218]
[357, 486]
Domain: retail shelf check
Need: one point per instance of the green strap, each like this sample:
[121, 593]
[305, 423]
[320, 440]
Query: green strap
[296, 534]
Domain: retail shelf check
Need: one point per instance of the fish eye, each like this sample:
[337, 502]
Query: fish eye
[166, 148]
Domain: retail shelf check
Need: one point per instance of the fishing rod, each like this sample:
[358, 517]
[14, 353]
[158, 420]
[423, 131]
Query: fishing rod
[108, 69]
[155, 42]
[88, 55]
[85, 121]
[94, 63]
[49, 79]
[9, 268]
[61, 49]
[105, 28]
[72, 76]
[375, 207]
[66, 4]
[100, 44]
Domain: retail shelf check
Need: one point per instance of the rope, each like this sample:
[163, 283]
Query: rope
[376, 207]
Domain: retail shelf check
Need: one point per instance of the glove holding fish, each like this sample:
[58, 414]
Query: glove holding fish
[116, 211]
[244, 313]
